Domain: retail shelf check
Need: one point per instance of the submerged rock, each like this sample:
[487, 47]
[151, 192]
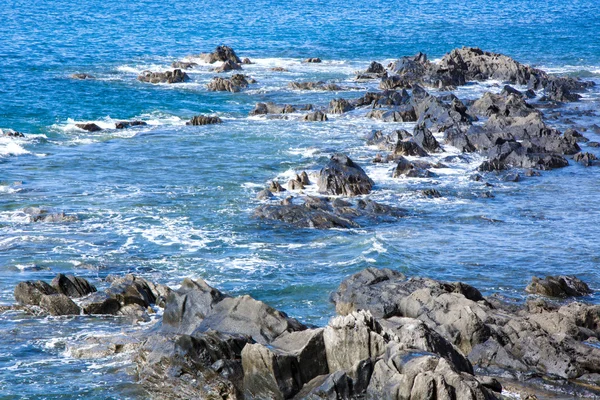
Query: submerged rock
[204, 120]
[90, 127]
[82, 76]
[128, 124]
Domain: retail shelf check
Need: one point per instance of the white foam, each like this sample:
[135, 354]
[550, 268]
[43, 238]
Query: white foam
[10, 147]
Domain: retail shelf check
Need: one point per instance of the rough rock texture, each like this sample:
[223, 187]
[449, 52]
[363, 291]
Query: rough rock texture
[315, 116]
[59, 304]
[204, 120]
[233, 84]
[175, 76]
[72, 286]
[183, 64]
[30, 292]
[339, 106]
[314, 86]
[228, 66]
[558, 286]
[342, 176]
[272, 108]
[221, 53]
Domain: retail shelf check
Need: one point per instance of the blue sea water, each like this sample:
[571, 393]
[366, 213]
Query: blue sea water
[169, 201]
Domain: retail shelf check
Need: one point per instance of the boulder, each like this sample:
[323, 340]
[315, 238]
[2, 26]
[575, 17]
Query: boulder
[303, 217]
[586, 158]
[31, 292]
[342, 176]
[408, 147]
[312, 60]
[72, 286]
[410, 170]
[272, 108]
[314, 86]
[280, 370]
[315, 116]
[59, 304]
[558, 286]
[221, 53]
[228, 66]
[511, 105]
[204, 120]
[100, 303]
[233, 84]
[425, 139]
[337, 385]
[40, 215]
[403, 113]
[175, 76]
[90, 127]
[129, 124]
[339, 106]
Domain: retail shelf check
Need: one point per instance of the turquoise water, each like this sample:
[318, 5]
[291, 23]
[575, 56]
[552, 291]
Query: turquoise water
[170, 201]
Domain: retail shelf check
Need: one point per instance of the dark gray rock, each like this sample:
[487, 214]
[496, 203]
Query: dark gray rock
[315, 116]
[339, 106]
[59, 304]
[303, 217]
[72, 286]
[410, 170]
[425, 139]
[81, 76]
[221, 53]
[342, 176]
[586, 158]
[408, 147]
[204, 120]
[100, 303]
[30, 292]
[228, 66]
[183, 65]
[234, 84]
[272, 108]
[335, 386]
[314, 86]
[175, 76]
[312, 60]
[90, 127]
[129, 124]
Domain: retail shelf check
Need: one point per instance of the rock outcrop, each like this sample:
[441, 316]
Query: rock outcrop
[175, 76]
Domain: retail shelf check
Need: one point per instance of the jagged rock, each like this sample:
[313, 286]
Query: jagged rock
[90, 127]
[272, 108]
[342, 176]
[573, 135]
[233, 84]
[295, 184]
[431, 193]
[339, 106]
[205, 366]
[72, 286]
[387, 142]
[246, 61]
[586, 159]
[275, 187]
[508, 106]
[280, 370]
[425, 139]
[204, 120]
[100, 303]
[408, 147]
[315, 116]
[264, 194]
[30, 292]
[59, 304]
[558, 286]
[303, 178]
[374, 71]
[221, 53]
[128, 124]
[228, 66]
[403, 113]
[409, 170]
[175, 76]
[331, 387]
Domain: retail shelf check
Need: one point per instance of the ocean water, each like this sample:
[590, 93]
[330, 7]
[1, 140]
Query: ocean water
[169, 201]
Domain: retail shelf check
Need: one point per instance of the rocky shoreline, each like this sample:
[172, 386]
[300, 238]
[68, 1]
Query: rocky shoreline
[394, 338]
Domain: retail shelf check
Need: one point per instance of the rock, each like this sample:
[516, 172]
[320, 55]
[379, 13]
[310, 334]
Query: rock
[281, 370]
[303, 178]
[404, 113]
[315, 116]
[95, 347]
[339, 106]
[40, 215]
[175, 76]
[352, 338]
[409, 170]
[272, 108]
[100, 303]
[228, 66]
[264, 194]
[573, 135]
[303, 217]
[594, 144]
[206, 366]
[558, 286]
[586, 159]
[342, 176]
[183, 65]
[233, 84]
[425, 139]
[246, 61]
[128, 124]
[408, 147]
[395, 82]
[312, 60]
[431, 193]
[204, 120]
[294, 184]
[221, 53]
[459, 139]
[72, 286]
[279, 69]
[333, 386]
[82, 76]
[30, 292]
[11, 133]
[59, 304]
[404, 374]
[275, 187]
[374, 71]
[511, 105]
[132, 289]
[314, 86]
[89, 127]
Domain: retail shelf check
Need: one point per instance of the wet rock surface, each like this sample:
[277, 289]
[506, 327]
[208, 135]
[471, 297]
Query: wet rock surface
[175, 76]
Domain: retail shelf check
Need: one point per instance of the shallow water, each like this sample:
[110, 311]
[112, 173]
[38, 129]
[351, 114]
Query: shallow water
[169, 201]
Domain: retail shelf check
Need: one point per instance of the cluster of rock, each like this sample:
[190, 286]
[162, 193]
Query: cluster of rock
[204, 120]
[233, 84]
[37, 214]
[175, 76]
[393, 338]
[92, 127]
[127, 296]
[315, 86]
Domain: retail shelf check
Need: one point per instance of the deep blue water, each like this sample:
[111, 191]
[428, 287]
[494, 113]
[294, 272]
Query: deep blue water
[170, 201]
